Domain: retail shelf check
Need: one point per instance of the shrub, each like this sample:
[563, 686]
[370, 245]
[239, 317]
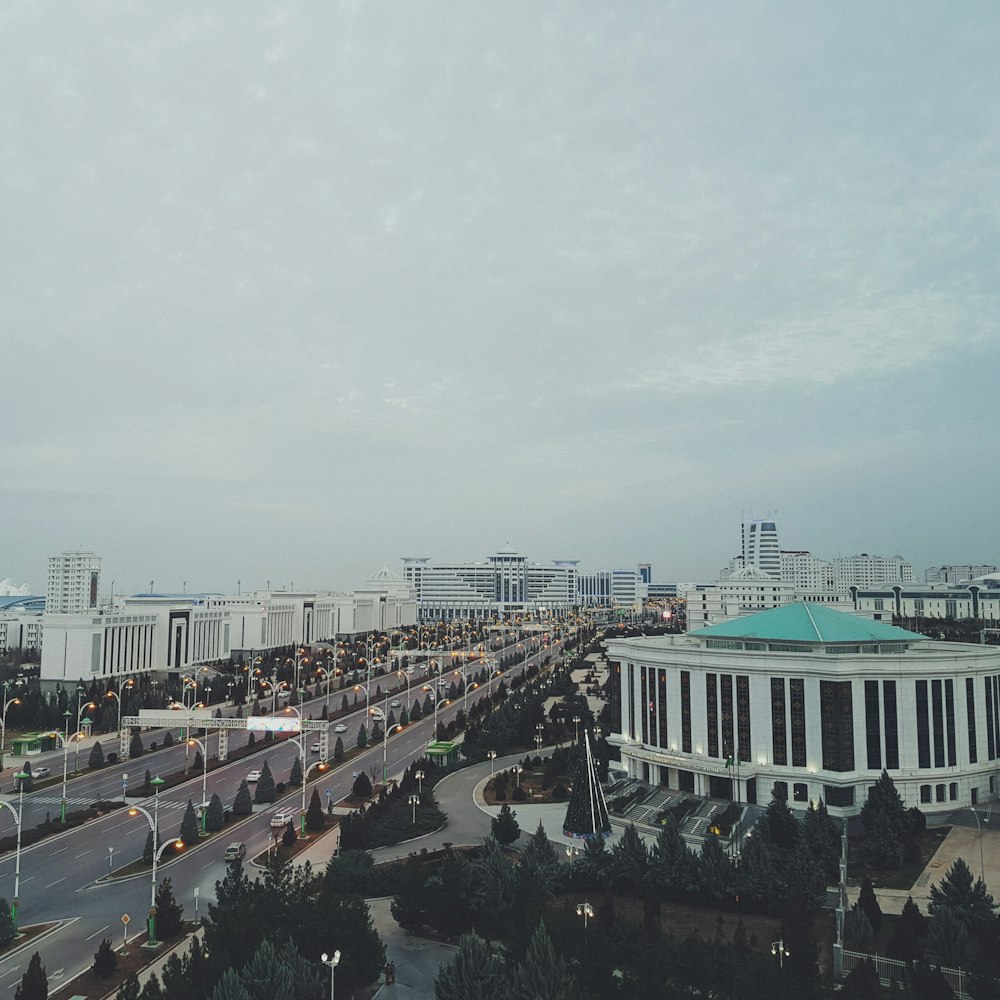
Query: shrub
[105, 960]
[518, 794]
[559, 792]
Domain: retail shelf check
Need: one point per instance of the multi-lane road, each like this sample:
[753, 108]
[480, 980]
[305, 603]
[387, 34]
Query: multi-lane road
[63, 878]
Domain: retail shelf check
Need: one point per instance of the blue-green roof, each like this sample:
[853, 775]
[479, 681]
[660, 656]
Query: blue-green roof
[806, 622]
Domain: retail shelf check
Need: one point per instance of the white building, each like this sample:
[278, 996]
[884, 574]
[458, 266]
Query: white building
[760, 546]
[811, 699]
[746, 592]
[72, 583]
[9, 589]
[805, 571]
[612, 588]
[979, 598]
[21, 622]
[870, 571]
[506, 583]
[954, 574]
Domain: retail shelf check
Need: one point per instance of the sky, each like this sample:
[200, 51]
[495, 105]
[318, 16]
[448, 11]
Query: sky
[292, 290]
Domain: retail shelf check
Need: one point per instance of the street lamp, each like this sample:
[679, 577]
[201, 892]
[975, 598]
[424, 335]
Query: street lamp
[517, 769]
[118, 698]
[333, 961]
[576, 724]
[379, 715]
[437, 698]
[572, 853]
[979, 826]
[20, 778]
[414, 802]
[778, 948]
[419, 775]
[586, 911]
[492, 754]
[540, 728]
[80, 722]
[3, 719]
[154, 826]
[204, 780]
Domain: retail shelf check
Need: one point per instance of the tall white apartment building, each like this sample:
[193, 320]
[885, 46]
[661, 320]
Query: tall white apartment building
[612, 587]
[760, 547]
[805, 571]
[73, 582]
[870, 571]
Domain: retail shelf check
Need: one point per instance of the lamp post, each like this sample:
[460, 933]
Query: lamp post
[576, 725]
[517, 769]
[333, 961]
[437, 697]
[204, 780]
[979, 827]
[20, 778]
[419, 775]
[540, 728]
[778, 948]
[586, 911]
[154, 826]
[3, 719]
[80, 721]
[128, 682]
[379, 715]
[67, 715]
[492, 754]
[572, 853]
[414, 802]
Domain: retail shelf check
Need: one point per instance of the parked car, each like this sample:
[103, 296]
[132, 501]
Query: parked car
[340, 727]
[253, 776]
[282, 819]
[236, 851]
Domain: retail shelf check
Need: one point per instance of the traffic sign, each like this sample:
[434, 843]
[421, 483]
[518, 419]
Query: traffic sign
[125, 918]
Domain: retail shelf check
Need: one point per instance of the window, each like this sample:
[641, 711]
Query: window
[797, 704]
[939, 793]
[800, 791]
[970, 712]
[835, 796]
[925, 793]
[953, 791]
[923, 726]
[891, 725]
[686, 711]
[743, 717]
[779, 743]
[837, 724]
[938, 718]
[873, 731]
[712, 713]
[780, 790]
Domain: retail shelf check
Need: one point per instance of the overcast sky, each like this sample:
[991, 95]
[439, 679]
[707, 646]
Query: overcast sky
[291, 290]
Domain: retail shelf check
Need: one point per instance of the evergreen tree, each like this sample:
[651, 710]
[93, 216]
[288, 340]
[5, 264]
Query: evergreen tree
[862, 983]
[189, 825]
[215, 816]
[475, 972]
[34, 983]
[362, 736]
[716, 868]
[315, 818]
[543, 975]
[129, 990]
[823, 840]
[970, 902]
[265, 792]
[199, 761]
[338, 750]
[295, 775]
[96, 757]
[169, 913]
[504, 826]
[7, 932]
[539, 852]
[152, 989]
[755, 876]
[168, 738]
[884, 818]
[230, 987]
[105, 959]
[778, 824]
[288, 835]
[673, 865]
[868, 903]
[906, 943]
[362, 787]
[243, 803]
[147, 851]
[415, 713]
[858, 927]
[135, 747]
[948, 938]
[630, 860]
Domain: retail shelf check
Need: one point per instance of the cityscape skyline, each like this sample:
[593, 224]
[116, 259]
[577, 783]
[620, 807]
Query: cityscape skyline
[292, 301]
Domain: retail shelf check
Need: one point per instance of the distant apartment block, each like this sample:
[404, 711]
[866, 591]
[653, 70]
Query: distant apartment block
[869, 571]
[72, 583]
[961, 573]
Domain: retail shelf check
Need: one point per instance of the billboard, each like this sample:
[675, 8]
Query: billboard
[274, 724]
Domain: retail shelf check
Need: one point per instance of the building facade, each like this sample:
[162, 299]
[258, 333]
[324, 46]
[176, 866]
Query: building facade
[956, 574]
[73, 581]
[869, 571]
[814, 700]
[979, 599]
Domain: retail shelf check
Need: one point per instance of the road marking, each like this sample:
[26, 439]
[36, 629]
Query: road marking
[28, 879]
[209, 865]
[57, 974]
[54, 853]
[101, 931]
[80, 855]
[57, 881]
[15, 970]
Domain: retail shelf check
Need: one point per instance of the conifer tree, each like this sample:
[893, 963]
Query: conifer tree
[34, 983]
[869, 904]
[169, 913]
[7, 932]
[295, 775]
[338, 750]
[215, 816]
[543, 975]
[105, 959]
[243, 803]
[315, 818]
[504, 826]
[189, 825]
[96, 757]
[474, 972]
[264, 791]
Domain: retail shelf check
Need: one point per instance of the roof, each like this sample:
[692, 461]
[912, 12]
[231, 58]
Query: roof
[803, 621]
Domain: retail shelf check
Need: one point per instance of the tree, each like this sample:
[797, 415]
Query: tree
[199, 762]
[96, 757]
[230, 987]
[885, 821]
[504, 826]
[135, 747]
[969, 901]
[862, 983]
[362, 736]
[716, 868]
[778, 824]
[673, 865]
[105, 959]
[129, 990]
[906, 942]
[474, 972]
[823, 840]
[630, 860]
[168, 738]
[34, 983]
[543, 975]
[338, 750]
[215, 815]
[152, 990]
[295, 775]
[7, 932]
[859, 927]
[288, 835]
[869, 904]
[189, 825]
[243, 803]
[169, 913]
[265, 791]
[315, 818]
[147, 851]
[362, 787]
[948, 938]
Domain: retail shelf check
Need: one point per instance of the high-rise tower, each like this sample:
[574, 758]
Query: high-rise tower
[73, 580]
[761, 548]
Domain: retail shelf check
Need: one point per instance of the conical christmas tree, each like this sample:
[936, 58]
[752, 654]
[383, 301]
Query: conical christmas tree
[587, 812]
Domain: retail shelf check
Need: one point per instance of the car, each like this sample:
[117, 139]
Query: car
[40, 772]
[395, 704]
[236, 851]
[282, 819]
[253, 776]
[315, 748]
[340, 727]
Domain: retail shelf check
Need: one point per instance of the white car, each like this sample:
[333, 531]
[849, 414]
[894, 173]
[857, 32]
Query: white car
[252, 777]
[340, 727]
[315, 748]
[395, 704]
[282, 819]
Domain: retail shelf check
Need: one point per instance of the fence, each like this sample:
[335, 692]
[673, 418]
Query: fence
[891, 970]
